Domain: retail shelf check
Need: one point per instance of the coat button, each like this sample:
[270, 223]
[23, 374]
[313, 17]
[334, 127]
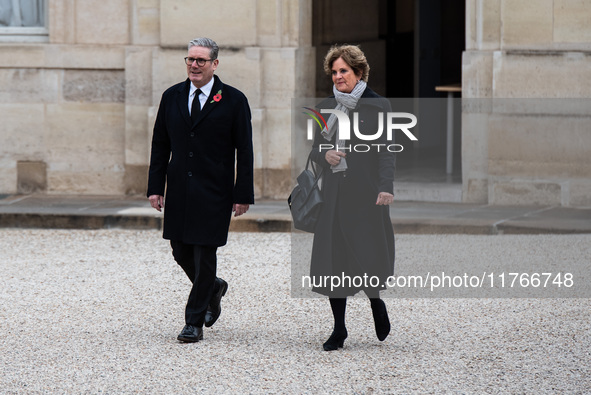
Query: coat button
[190, 174]
[190, 154]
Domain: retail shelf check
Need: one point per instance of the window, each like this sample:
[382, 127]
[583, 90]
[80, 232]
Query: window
[23, 21]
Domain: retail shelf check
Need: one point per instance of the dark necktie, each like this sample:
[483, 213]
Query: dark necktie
[196, 106]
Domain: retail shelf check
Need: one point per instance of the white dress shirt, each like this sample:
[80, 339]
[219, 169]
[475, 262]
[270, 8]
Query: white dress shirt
[205, 91]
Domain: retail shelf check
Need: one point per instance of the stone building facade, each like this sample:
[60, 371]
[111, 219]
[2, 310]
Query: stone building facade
[78, 95]
[78, 103]
[535, 57]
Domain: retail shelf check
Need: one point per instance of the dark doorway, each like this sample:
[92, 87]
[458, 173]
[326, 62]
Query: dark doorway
[412, 47]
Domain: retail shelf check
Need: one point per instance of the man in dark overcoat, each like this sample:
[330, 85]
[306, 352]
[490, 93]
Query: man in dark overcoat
[202, 155]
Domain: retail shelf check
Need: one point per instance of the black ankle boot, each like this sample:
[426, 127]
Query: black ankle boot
[335, 341]
[380, 319]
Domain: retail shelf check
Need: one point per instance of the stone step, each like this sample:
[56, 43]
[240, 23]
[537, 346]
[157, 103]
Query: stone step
[428, 192]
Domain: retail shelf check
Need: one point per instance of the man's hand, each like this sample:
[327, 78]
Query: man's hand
[240, 209]
[384, 199]
[156, 201]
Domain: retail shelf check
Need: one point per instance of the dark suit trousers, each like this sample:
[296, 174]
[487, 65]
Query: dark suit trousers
[200, 264]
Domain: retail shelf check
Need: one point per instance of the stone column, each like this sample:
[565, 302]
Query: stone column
[482, 40]
[530, 59]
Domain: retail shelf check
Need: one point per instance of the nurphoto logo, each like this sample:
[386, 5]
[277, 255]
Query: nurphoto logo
[344, 127]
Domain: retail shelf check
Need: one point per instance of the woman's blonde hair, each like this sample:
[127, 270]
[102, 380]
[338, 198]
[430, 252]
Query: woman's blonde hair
[352, 55]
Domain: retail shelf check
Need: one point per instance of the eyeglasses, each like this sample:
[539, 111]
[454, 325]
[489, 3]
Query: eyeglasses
[200, 62]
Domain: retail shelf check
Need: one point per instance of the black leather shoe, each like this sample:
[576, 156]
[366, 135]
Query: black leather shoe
[335, 341]
[381, 320]
[191, 334]
[215, 309]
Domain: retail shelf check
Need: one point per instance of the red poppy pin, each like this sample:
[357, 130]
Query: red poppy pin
[217, 97]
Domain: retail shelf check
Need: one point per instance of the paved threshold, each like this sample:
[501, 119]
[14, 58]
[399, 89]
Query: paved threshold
[97, 212]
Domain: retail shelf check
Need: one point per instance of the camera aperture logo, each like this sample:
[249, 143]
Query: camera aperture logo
[344, 127]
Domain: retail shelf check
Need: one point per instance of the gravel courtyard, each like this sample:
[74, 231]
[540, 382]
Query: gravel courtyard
[99, 312]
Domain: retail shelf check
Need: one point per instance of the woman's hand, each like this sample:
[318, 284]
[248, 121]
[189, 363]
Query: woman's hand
[384, 199]
[334, 157]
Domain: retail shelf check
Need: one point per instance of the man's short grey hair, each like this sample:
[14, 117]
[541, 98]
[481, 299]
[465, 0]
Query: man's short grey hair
[206, 43]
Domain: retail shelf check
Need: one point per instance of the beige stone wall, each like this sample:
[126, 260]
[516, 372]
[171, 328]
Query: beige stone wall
[77, 111]
[536, 154]
[60, 110]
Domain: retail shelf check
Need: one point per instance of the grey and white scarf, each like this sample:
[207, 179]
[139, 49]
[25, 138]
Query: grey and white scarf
[345, 103]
